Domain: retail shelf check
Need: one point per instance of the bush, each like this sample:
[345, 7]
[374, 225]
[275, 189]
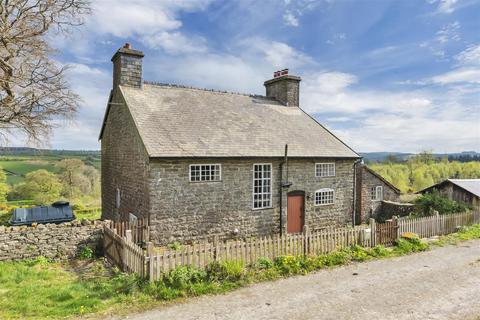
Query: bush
[288, 265]
[406, 246]
[379, 251]
[86, 253]
[184, 277]
[428, 203]
[225, 270]
[263, 263]
[334, 259]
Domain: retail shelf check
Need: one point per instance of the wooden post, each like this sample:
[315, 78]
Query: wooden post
[373, 232]
[306, 242]
[150, 261]
[128, 235]
[395, 225]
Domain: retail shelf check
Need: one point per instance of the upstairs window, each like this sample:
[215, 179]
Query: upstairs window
[325, 169]
[262, 186]
[377, 193]
[205, 172]
[324, 196]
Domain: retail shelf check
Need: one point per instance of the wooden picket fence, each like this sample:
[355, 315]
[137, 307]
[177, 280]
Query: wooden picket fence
[123, 252]
[438, 225]
[248, 251]
[140, 231]
[124, 249]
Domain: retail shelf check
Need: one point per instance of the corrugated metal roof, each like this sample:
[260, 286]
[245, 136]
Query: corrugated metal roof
[471, 185]
[186, 122]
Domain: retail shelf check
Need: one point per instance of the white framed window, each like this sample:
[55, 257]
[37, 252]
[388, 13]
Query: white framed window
[117, 198]
[377, 193]
[262, 185]
[324, 196]
[324, 169]
[205, 172]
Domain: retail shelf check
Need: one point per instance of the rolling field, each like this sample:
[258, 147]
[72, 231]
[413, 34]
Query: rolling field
[17, 166]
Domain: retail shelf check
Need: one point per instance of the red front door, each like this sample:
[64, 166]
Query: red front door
[295, 204]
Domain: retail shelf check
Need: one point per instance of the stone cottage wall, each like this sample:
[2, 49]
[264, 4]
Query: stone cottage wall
[124, 165]
[366, 207]
[183, 210]
[53, 241]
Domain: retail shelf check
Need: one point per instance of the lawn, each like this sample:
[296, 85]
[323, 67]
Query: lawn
[38, 289]
[22, 166]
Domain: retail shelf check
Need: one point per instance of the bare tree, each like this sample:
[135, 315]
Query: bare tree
[33, 89]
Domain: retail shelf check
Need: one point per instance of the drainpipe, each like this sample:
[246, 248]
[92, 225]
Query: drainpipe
[355, 190]
[283, 185]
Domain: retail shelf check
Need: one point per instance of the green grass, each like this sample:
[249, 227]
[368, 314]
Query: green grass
[88, 214]
[40, 290]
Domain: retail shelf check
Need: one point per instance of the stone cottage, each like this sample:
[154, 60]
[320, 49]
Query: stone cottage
[372, 193]
[199, 162]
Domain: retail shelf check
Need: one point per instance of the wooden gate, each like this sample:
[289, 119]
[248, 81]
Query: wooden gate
[386, 233]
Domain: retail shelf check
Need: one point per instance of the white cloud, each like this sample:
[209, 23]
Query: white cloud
[175, 42]
[448, 33]
[468, 75]
[470, 56]
[446, 6]
[290, 19]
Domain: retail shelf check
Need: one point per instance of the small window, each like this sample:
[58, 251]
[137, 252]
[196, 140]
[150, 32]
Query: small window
[262, 186]
[205, 172]
[117, 198]
[377, 193]
[325, 169]
[324, 197]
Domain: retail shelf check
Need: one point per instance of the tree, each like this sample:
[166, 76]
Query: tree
[3, 186]
[33, 89]
[78, 179]
[41, 186]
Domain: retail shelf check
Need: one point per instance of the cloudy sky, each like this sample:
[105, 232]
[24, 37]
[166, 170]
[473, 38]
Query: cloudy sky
[383, 75]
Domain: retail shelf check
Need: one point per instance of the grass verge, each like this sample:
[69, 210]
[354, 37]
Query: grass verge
[38, 289]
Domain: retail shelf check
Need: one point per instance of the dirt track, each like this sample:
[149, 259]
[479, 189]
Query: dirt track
[440, 284]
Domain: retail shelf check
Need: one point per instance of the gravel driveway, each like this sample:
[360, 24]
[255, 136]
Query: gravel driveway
[440, 284]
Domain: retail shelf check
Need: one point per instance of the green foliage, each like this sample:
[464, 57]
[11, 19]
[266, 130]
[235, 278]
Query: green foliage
[465, 233]
[174, 246]
[41, 186]
[86, 253]
[407, 246]
[426, 204]
[184, 277]
[4, 188]
[225, 270]
[264, 263]
[288, 265]
[422, 171]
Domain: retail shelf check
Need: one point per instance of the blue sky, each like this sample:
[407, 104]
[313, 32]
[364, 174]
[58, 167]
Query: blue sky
[382, 75]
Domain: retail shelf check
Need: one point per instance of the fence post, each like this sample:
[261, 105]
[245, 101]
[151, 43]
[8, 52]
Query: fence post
[149, 257]
[128, 235]
[306, 240]
[395, 225]
[373, 232]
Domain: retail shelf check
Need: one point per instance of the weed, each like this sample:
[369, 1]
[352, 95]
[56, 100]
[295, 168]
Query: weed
[86, 253]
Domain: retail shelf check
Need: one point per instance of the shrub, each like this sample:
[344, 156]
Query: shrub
[434, 201]
[174, 246]
[379, 251]
[86, 253]
[288, 265]
[406, 246]
[225, 270]
[263, 263]
[334, 259]
[184, 277]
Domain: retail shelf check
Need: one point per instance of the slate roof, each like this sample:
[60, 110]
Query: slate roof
[186, 122]
[470, 185]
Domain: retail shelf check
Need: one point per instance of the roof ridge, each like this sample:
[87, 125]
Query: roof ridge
[174, 85]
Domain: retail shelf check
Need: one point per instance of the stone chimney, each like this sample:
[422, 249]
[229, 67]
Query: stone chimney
[127, 67]
[284, 88]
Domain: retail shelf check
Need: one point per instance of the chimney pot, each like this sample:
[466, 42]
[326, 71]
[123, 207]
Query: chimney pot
[127, 46]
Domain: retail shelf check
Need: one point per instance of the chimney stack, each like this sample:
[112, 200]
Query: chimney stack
[284, 88]
[127, 67]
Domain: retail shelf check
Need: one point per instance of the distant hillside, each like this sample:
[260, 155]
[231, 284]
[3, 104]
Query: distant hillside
[464, 156]
[25, 151]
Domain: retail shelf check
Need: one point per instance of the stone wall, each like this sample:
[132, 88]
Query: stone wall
[388, 209]
[124, 165]
[183, 210]
[53, 241]
[366, 207]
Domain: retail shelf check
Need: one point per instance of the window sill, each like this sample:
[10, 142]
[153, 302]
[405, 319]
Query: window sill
[266, 208]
